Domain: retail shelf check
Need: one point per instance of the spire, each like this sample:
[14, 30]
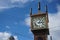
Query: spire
[30, 11]
[47, 13]
[46, 9]
[39, 6]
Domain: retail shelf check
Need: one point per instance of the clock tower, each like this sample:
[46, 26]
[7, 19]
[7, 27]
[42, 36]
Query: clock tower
[39, 24]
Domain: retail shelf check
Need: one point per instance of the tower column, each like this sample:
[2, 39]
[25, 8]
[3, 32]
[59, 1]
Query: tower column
[40, 37]
[39, 24]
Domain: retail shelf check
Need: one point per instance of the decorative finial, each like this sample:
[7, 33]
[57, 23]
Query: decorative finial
[39, 6]
[30, 11]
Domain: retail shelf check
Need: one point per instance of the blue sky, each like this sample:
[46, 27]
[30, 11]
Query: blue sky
[14, 18]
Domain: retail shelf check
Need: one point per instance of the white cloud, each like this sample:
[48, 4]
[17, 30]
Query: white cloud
[54, 19]
[5, 4]
[7, 27]
[23, 1]
[54, 23]
[5, 36]
[27, 21]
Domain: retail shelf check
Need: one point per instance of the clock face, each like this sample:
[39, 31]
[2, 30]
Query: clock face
[39, 22]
